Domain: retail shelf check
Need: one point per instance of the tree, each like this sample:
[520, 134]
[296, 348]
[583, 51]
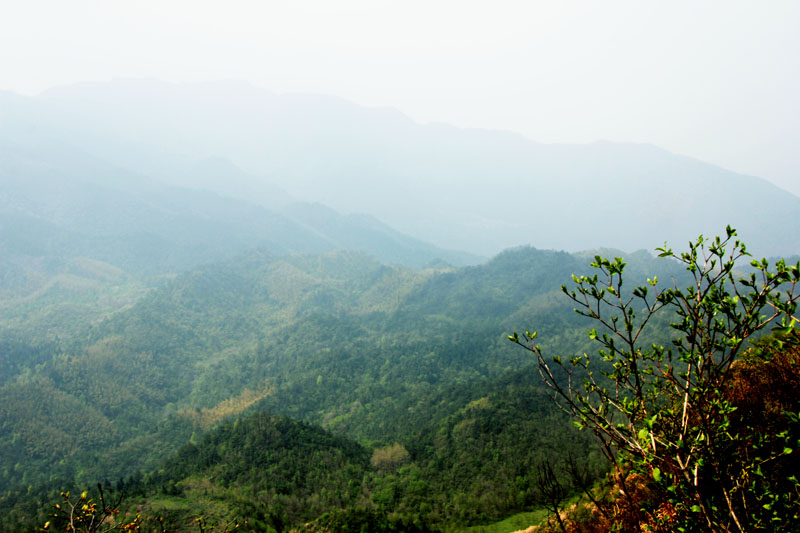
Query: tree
[664, 414]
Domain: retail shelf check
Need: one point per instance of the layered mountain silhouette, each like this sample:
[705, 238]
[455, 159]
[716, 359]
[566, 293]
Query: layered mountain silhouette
[474, 190]
[58, 203]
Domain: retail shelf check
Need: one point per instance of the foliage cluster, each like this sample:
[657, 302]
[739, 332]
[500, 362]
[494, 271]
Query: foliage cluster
[688, 456]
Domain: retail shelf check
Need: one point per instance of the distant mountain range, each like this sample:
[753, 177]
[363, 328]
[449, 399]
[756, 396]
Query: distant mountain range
[473, 190]
[58, 203]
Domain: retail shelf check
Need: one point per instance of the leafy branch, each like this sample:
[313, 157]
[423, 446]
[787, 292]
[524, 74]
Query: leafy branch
[661, 411]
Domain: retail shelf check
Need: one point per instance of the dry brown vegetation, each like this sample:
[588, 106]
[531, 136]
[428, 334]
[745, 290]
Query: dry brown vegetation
[206, 418]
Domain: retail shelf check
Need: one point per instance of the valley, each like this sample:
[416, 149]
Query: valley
[277, 326]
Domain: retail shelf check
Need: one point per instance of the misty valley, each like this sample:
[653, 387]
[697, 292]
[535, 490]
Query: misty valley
[225, 309]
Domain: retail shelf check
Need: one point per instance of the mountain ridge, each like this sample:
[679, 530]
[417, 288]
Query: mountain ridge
[459, 188]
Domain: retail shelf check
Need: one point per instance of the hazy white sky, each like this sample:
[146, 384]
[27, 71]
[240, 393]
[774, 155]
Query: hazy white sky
[718, 80]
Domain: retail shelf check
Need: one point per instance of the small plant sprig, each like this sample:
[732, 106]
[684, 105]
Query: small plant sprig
[85, 515]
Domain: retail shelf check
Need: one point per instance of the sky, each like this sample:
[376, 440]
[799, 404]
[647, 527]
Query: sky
[716, 80]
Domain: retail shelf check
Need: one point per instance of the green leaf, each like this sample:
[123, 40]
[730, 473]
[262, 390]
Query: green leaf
[657, 475]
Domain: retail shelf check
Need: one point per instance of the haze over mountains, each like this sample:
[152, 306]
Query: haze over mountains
[59, 202]
[472, 190]
[202, 286]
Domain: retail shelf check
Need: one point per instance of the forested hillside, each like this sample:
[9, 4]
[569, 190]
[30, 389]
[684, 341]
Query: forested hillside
[377, 354]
